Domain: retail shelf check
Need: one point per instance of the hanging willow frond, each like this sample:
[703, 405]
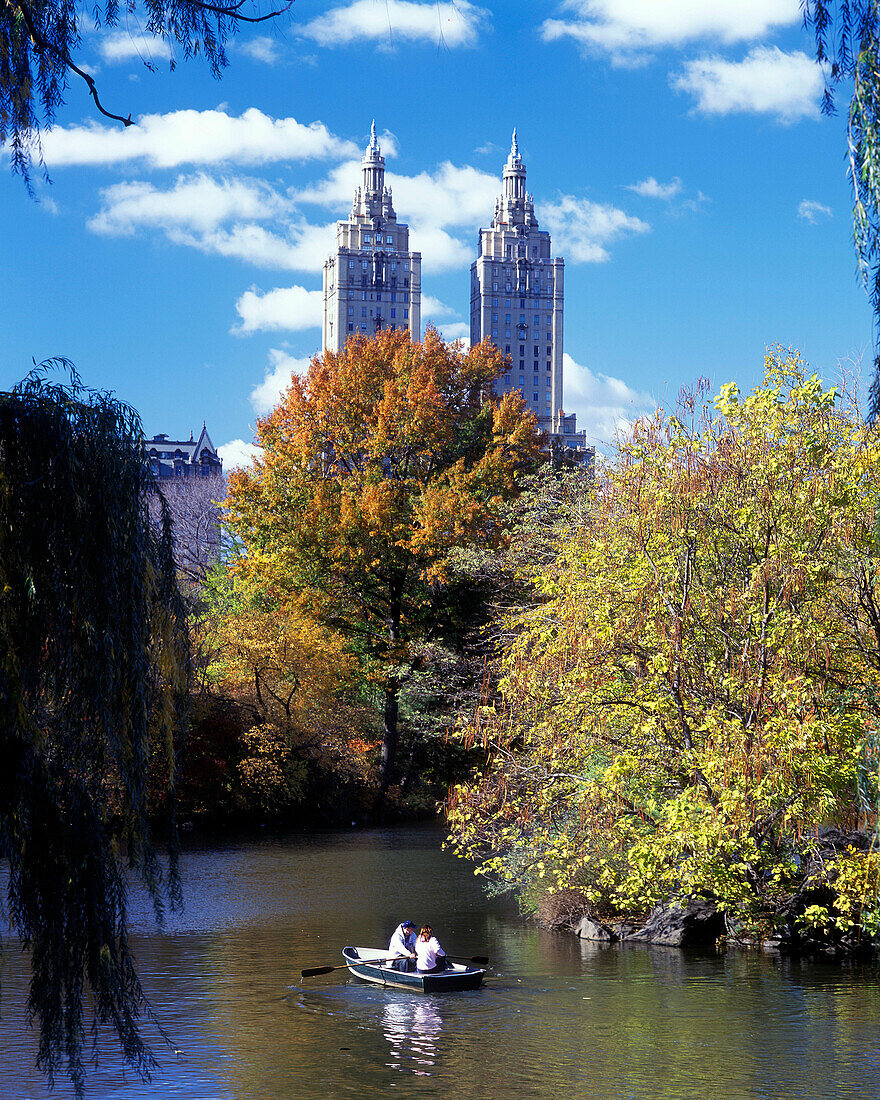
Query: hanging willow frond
[94, 671]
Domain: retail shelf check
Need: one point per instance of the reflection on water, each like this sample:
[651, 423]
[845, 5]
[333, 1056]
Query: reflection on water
[412, 1028]
[557, 1018]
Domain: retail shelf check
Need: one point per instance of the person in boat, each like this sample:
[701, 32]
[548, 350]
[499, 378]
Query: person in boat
[430, 956]
[403, 942]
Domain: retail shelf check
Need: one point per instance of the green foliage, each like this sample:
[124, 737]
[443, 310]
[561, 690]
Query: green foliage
[94, 667]
[695, 695]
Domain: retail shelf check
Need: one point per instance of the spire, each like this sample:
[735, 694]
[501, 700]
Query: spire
[514, 148]
[374, 141]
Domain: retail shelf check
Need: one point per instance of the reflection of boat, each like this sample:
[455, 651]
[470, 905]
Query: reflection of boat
[413, 1030]
[378, 969]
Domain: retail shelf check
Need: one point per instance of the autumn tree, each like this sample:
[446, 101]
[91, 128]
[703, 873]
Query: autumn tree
[295, 685]
[378, 463]
[697, 692]
[94, 668]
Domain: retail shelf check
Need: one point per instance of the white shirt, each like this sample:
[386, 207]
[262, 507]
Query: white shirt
[401, 942]
[427, 952]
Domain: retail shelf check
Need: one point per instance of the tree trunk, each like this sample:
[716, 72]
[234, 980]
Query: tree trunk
[389, 737]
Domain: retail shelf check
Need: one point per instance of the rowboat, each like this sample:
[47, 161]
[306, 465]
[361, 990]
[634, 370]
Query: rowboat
[378, 969]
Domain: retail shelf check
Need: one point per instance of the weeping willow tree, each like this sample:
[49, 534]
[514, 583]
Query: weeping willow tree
[94, 668]
[847, 37]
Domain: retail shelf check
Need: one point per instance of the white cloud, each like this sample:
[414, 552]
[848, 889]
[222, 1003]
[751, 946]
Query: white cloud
[604, 405]
[581, 229]
[433, 307]
[236, 454]
[455, 330]
[454, 23]
[195, 203]
[263, 49]
[193, 137]
[293, 308]
[282, 366]
[626, 28]
[652, 189]
[219, 217]
[116, 47]
[767, 81]
[811, 211]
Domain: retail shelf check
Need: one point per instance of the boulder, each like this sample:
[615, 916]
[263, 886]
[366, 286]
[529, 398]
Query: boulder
[587, 929]
[694, 924]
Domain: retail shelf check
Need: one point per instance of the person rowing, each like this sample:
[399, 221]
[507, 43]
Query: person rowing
[402, 943]
[430, 956]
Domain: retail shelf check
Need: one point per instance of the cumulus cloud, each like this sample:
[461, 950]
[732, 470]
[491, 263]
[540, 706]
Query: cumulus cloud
[193, 137]
[265, 50]
[196, 203]
[627, 28]
[236, 454]
[767, 81]
[433, 307]
[219, 217]
[455, 330]
[652, 189]
[282, 367]
[604, 405]
[811, 211]
[453, 24]
[582, 229]
[293, 308]
[117, 47]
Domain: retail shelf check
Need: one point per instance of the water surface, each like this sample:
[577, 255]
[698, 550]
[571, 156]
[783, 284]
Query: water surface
[558, 1017]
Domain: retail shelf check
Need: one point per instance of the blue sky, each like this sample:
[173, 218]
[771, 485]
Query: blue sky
[675, 150]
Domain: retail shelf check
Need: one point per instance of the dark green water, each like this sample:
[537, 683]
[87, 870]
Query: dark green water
[558, 1018]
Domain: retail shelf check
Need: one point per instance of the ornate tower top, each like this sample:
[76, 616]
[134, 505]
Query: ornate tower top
[372, 199]
[514, 206]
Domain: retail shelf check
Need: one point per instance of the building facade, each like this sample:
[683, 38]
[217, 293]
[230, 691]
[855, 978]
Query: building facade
[517, 297]
[189, 474]
[373, 281]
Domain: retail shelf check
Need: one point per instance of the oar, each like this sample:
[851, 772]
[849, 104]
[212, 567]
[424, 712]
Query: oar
[480, 960]
[315, 970]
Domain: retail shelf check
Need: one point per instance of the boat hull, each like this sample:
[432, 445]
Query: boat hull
[454, 980]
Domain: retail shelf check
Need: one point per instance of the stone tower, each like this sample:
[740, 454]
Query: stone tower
[517, 301]
[372, 281]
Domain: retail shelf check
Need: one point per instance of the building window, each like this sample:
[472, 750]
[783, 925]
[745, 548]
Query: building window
[406, 266]
[536, 351]
[394, 313]
[507, 347]
[522, 351]
[537, 320]
[522, 303]
[351, 311]
[507, 318]
[406, 315]
[548, 364]
[363, 328]
[393, 296]
[494, 331]
[364, 265]
[535, 397]
[507, 335]
[366, 238]
[507, 303]
[364, 311]
[521, 380]
[393, 265]
[494, 303]
[351, 264]
[350, 326]
[507, 286]
[389, 240]
[494, 286]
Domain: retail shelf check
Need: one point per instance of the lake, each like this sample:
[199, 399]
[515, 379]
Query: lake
[557, 1017]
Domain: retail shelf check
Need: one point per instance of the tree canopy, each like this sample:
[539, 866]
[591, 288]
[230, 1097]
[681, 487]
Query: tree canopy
[39, 40]
[698, 691]
[94, 667]
[377, 464]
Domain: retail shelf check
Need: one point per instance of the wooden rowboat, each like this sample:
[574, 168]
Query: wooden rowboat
[455, 979]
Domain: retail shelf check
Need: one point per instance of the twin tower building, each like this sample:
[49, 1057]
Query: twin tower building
[373, 281]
